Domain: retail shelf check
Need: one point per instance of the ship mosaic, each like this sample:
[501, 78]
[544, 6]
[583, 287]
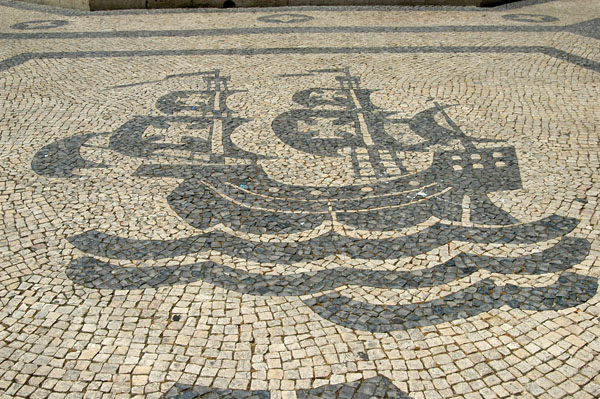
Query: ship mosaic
[233, 203]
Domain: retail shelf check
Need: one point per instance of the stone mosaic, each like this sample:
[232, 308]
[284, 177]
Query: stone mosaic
[533, 18]
[35, 25]
[265, 204]
[375, 387]
[334, 121]
[285, 18]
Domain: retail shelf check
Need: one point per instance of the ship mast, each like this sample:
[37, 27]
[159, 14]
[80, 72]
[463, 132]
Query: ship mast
[372, 150]
[217, 85]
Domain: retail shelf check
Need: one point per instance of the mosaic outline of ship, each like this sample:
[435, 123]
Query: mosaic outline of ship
[446, 202]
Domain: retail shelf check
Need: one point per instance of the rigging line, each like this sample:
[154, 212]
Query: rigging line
[465, 140]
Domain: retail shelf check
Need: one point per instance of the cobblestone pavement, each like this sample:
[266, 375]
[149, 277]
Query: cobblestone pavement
[300, 202]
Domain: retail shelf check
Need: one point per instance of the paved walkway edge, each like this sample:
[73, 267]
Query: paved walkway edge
[93, 5]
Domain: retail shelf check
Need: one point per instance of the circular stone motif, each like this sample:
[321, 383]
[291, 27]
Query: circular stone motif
[533, 18]
[45, 24]
[285, 18]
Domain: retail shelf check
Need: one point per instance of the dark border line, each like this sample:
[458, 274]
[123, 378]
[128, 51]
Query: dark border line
[549, 51]
[278, 31]
[76, 13]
